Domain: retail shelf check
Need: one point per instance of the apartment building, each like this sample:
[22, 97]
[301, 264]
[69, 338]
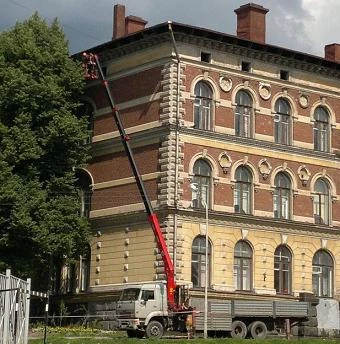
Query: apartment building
[228, 132]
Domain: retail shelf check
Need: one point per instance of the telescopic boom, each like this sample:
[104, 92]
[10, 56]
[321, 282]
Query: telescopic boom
[93, 70]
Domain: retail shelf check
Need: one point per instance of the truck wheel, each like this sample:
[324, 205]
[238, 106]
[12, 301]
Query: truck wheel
[154, 329]
[258, 329]
[238, 329]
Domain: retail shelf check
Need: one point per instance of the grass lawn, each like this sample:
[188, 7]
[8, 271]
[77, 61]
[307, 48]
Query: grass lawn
[98, 337]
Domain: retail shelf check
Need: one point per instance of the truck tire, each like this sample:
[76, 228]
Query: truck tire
[258, 329]
[238, 329]
[154, 329]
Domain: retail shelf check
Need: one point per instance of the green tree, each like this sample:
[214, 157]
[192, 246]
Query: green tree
[41, 142]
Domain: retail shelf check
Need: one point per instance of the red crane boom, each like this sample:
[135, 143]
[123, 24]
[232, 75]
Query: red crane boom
[93, 70]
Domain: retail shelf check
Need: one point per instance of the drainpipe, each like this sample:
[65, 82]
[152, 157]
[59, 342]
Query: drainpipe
[176, 144]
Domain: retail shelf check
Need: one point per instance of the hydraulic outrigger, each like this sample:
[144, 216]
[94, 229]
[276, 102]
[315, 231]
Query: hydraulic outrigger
[94, 71]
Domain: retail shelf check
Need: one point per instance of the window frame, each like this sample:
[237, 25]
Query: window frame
[243, 266]
[200, 262]
[321, 129]
[322, 274]
[203, 183]
[243, 188]
[243, 115]
[281, 192]
[322, 203]
[280, 261]
[203, 106]
[282, 122]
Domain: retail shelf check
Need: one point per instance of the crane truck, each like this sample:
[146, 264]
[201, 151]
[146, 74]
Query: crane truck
[149, 309]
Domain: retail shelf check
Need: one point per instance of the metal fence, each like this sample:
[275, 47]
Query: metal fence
[14, 309]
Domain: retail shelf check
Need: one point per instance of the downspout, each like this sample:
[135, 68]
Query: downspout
[176, 145]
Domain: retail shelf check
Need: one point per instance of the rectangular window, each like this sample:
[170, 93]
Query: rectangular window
[200, 197]
[243, 121]
[205, 57]
[321, 137]
[202, 114]
[284, 74]
[245, 66]
[281, 129]
[148, 295]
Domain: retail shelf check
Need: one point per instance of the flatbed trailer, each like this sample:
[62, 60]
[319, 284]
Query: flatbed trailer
[248, 317]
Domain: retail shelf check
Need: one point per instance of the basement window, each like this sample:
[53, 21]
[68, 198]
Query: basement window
[284, 74]
[205, 57]
[245, 66]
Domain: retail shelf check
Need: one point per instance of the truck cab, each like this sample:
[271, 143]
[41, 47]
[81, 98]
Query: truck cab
[141, 304]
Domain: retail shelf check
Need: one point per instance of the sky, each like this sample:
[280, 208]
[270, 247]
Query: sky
[302, 25]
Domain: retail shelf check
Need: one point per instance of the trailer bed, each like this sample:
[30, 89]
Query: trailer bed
[222, 313]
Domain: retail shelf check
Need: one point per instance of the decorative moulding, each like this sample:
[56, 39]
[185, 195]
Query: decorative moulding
[265, 90]
[304, 101]
[265, 168]
[244, 233]
[225, 162]
[226, 83]
[304, 174]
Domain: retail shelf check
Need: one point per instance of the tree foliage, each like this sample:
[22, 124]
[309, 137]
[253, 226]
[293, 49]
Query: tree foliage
[41, 143]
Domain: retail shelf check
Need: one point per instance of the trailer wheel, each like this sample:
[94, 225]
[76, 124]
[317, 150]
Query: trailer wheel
[258, 329]
[154, 329]
[238, 329]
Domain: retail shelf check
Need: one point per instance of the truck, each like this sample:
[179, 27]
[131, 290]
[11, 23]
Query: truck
[149, 309]
[142, 310]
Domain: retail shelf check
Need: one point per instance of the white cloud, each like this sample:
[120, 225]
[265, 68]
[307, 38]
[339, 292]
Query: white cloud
[303, 25]
[323, 27]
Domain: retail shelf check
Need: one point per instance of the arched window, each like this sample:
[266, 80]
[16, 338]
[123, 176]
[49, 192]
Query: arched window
[203, 106]
[321, 129]
[243, 190]
[243, 256]
[282, 122]
[323, 274]
[282, 196]
[202, 181]
[243, 114]
[282, 270]
[198, 256]
[83, 185]
[321, 202]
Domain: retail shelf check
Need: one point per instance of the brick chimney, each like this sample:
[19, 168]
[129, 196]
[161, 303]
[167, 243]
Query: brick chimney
[251, 22]
[134, 24]
[332, 52]
[122, 25]
[118, 21]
